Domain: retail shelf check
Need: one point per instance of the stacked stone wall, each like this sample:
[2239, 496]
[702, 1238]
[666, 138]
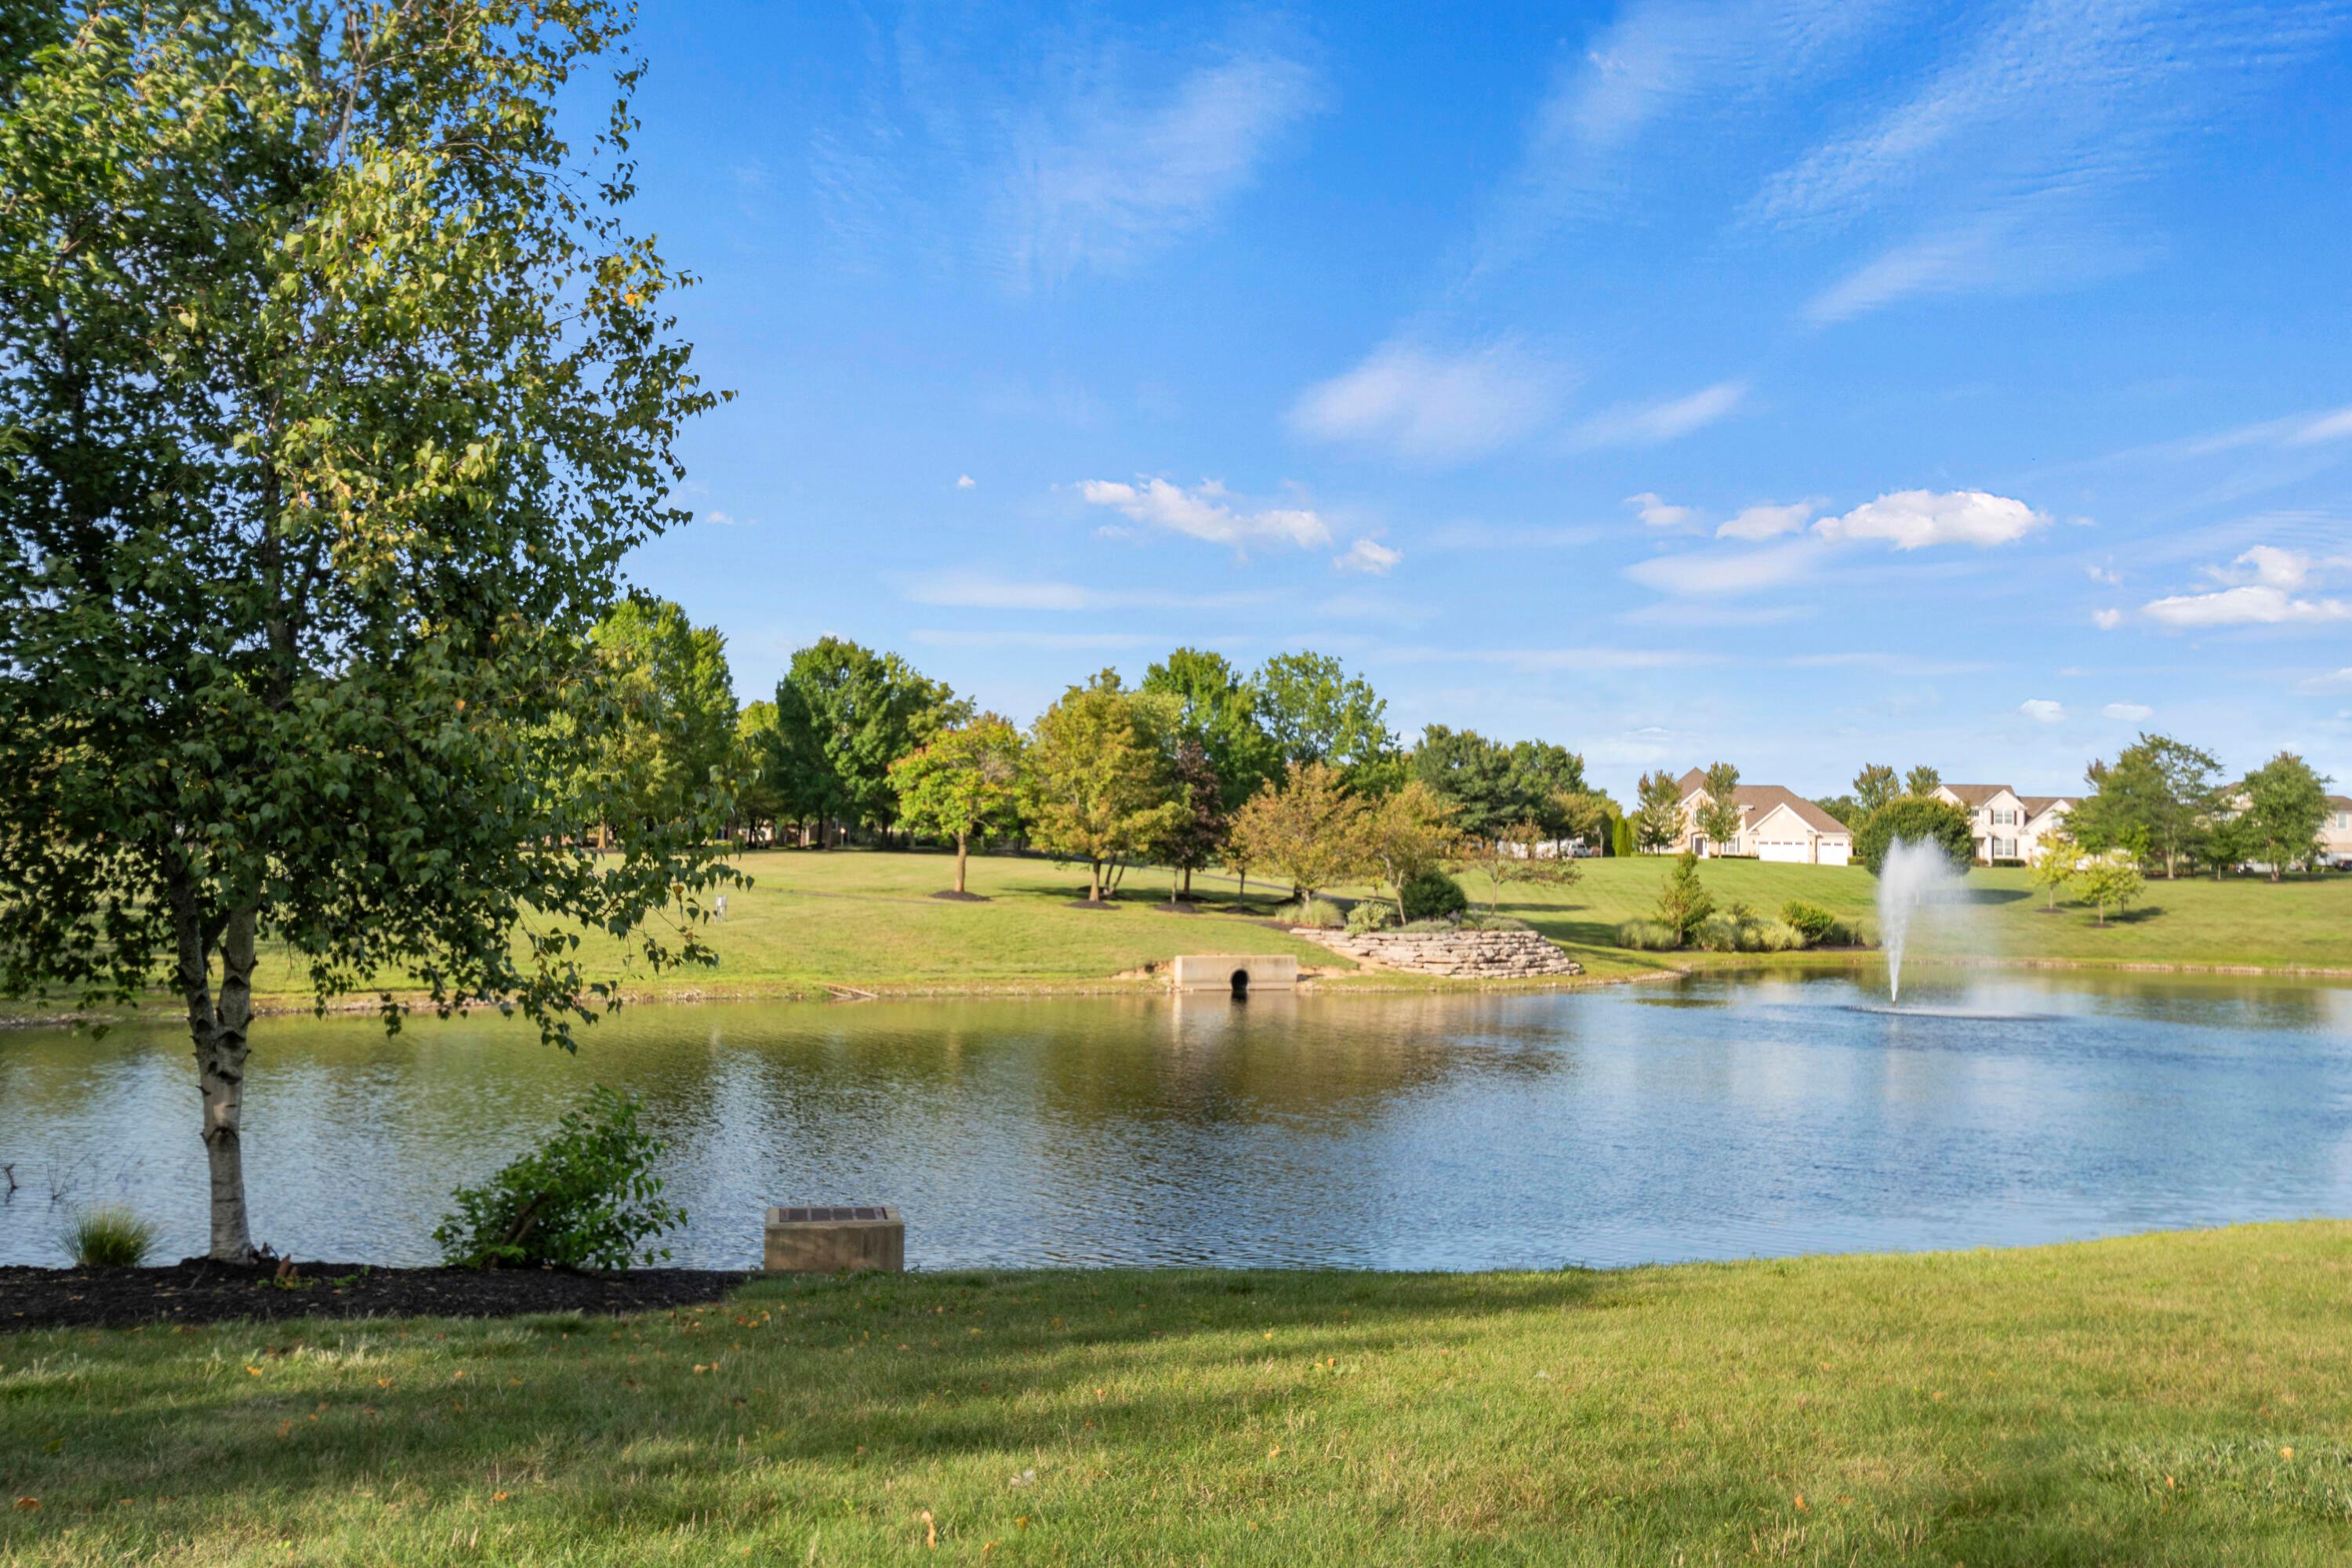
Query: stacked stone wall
[1468, 954]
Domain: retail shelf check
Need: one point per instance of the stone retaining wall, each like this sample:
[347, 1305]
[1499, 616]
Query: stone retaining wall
[1472, 955]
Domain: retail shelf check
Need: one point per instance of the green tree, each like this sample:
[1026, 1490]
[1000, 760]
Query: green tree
[2057, 862]
[1718, 818]
[1684, 902]
[1099, 786]
[1658, 821]
[1621, 842]
[964, 783]
[1311, 828]
[675, 741]
[340, 391]
[1217, 709]
[1493, 787]
[1313, 711]
[1875, 786]
[2164, 790]
[2285, 805]
[1408, 834]
[2112, 882]
[757, 792]
[1921, 780]
[846, 714]
[1916, 819]
[1844, 807]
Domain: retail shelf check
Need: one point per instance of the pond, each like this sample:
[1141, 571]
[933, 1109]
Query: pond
[1727, 1117]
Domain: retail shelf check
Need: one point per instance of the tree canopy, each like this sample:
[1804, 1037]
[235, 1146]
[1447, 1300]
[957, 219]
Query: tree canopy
[339, 392]
[1917, 819]
[1313, 711]
[2159, 797]
[1100, 785]
[1217, 709]
[675, 739]
[1493, 787]
[2285, 803]
[964, 783]
[844, 714]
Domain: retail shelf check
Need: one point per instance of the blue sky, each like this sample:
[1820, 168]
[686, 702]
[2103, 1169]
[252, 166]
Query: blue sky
[1798, 384]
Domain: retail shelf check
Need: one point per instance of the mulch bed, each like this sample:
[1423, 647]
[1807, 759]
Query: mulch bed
[952, 897]
[197, 1292]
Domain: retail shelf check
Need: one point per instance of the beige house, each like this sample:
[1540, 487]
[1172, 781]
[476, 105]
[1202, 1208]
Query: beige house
[1775, 824]
[2007, 826]
[2336, 831]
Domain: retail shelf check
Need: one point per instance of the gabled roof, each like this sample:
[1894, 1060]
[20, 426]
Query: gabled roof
[1758, 801]
[2340, 801]
[1770, 798]
[2035, 805]
[1976, 794]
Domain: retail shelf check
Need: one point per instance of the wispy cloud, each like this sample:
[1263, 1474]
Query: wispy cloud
[2254, 605]
[2314, 429]
[2003, 164]
[1536, 660]
[2128, 712]
[982, 591]
[1653, 424]
[1206, 512]
[1051, 642]
[1657, 511]
[1427, 406]
[1710, 572]
[1765, 521]
[1113, 171]
[1491, 536]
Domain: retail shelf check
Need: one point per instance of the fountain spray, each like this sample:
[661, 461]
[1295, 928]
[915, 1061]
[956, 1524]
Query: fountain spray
[1916, 872]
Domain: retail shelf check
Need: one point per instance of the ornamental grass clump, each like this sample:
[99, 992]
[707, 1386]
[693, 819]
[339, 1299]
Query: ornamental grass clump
[109, 1236]
[586, 1198]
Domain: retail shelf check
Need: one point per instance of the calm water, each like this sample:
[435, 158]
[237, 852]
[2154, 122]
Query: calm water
[1720, 1119]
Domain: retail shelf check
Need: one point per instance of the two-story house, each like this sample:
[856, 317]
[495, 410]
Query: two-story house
[2007, 826]
[1775, 824]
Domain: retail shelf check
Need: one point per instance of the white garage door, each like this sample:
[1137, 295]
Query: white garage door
[1836, 851]
[1786, 850]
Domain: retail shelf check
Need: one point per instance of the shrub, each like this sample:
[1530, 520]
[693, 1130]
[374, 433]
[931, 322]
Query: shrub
[586, 1198]
[1779, 936]
[1648, 936]
[1371, 914]
[1432, 895]
[109, 1236]
[1921, 819]
[1683, 901]
[1320, 913]
[1721, 933]
[1491, 923]
[1815, 923]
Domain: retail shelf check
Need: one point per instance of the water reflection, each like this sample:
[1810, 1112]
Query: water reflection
[1734, 1116]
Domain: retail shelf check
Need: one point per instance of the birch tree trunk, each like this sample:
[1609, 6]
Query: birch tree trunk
[219, 1028]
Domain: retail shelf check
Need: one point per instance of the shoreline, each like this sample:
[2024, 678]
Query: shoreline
[1357, 983]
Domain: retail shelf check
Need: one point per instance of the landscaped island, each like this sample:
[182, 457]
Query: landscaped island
[2166, 1399]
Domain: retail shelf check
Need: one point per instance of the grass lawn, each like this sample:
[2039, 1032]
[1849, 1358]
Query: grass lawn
[865, 920]
[2180, 1398]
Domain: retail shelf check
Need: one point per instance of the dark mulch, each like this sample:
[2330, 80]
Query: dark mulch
[1168, 908]
[197, 1291]
[1109, 903]
[952, 897]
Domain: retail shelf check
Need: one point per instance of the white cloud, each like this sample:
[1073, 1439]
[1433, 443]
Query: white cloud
[1657, 513]
[1914, 520]
[2335, 426]
[1723, 572]
[965, 481]
[728, 519]
[2295, 430]
[1206, 513]
[1653, 424]
[2252, 605]
[2269, 565]
[1767, 522]
[2130, 712]
[1105, 174]
[1369, 555]
[2339, 681]
[980, 591]
[2108, 576]
[2106, 620]
[1432, 407]
[1057, 642]
[2043, 710]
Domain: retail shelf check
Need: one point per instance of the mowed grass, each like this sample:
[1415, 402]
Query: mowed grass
[817, 922]
[2165, 1399]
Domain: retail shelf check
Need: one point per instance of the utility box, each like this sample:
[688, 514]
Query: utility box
[1239, 973]
[847, 1239]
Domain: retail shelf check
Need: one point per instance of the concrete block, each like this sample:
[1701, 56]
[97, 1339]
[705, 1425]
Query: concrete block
[848, 1239]
[1217, 972]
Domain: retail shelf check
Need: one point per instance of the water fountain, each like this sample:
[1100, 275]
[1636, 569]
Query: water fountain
[1916, 872]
